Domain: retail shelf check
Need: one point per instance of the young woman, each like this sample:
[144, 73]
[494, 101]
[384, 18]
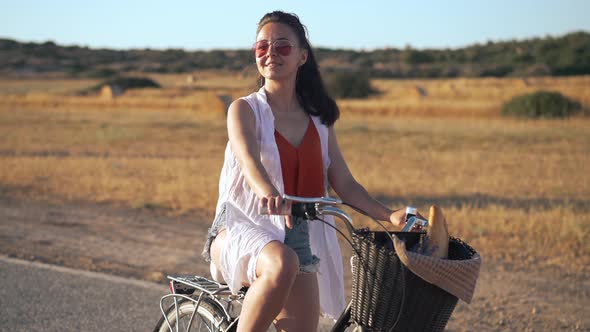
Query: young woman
[282, 140]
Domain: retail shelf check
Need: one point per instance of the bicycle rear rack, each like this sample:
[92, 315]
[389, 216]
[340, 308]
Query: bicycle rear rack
[186, 284]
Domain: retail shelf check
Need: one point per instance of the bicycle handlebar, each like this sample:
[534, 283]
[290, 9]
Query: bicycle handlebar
[311, 208]
[314, 200]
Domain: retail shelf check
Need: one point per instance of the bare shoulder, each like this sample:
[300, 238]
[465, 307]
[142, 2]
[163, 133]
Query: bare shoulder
[240, 113]
[240, 106]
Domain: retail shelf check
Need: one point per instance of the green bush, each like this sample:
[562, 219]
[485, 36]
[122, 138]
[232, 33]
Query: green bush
[348, 84]
[132, 82]
[124, 83]
[541, 104]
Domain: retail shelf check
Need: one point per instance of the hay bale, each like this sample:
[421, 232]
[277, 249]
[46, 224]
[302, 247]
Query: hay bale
[110, 91]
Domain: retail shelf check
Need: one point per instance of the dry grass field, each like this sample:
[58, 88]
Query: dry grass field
[499, 180]
[517, 190]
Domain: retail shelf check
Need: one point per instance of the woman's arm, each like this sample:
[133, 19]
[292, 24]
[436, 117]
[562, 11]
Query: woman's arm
[352, 192]
[241, 129]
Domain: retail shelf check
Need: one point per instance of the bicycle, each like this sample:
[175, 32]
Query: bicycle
[378, 303]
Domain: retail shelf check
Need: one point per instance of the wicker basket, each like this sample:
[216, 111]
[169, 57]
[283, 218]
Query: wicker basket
[386, 296]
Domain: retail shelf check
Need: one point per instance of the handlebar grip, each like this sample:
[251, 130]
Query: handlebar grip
[300, 210]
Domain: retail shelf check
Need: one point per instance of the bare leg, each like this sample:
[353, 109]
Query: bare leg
[276, 271]
[216, 246]
[302, 310]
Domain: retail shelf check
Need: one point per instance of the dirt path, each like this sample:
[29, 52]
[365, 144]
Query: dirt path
[147, 244]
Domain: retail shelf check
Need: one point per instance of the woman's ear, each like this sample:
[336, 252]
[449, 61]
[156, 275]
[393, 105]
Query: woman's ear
[303, 59]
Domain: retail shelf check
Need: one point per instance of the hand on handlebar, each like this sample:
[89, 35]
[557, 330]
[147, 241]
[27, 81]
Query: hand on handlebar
[398, 217]
[276, 205]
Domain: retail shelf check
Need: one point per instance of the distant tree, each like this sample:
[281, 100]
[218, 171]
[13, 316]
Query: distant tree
[415, 57]
[8, 44]
[102, 73]
[564, 55]
[496, 71]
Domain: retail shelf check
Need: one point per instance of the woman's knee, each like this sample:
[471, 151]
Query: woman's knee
[278, 263]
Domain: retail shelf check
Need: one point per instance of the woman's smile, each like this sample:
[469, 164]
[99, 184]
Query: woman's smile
[273, 64]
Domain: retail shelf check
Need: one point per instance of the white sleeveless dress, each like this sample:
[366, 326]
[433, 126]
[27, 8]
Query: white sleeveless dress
[248, 232]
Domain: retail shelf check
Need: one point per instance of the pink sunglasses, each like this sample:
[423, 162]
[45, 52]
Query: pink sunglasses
[282, 46]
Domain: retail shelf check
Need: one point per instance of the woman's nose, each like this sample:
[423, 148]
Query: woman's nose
[271, 50]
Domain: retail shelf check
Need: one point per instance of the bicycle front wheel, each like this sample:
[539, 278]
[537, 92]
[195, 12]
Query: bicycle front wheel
[206, 318]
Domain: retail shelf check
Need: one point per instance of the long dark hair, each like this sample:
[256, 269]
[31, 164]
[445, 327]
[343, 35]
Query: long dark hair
[309, 86]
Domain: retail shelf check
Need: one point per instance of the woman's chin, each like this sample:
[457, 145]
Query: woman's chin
[276, 76]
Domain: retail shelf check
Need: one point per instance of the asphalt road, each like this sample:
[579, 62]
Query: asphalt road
[40, 297]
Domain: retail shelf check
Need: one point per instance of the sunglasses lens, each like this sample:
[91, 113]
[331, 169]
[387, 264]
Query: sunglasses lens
[260, 48]
[282, 47]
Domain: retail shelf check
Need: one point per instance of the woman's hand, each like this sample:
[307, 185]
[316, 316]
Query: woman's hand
[276, 205]
[398, 218]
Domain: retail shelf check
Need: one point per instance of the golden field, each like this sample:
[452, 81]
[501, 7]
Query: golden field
[517, 190]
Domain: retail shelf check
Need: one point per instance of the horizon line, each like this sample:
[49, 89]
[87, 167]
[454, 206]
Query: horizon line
[209, 49]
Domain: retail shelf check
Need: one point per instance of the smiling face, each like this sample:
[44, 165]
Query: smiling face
[274, 64]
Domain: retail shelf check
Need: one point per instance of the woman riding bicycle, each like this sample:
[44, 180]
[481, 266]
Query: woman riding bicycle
[282, 141]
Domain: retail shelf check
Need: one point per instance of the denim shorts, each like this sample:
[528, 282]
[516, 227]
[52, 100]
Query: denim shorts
[296, 238]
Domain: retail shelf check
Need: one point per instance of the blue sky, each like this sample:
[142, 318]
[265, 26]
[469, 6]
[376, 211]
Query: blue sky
[361, 24]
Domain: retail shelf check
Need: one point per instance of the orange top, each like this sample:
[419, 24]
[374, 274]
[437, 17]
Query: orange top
[303, 171]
